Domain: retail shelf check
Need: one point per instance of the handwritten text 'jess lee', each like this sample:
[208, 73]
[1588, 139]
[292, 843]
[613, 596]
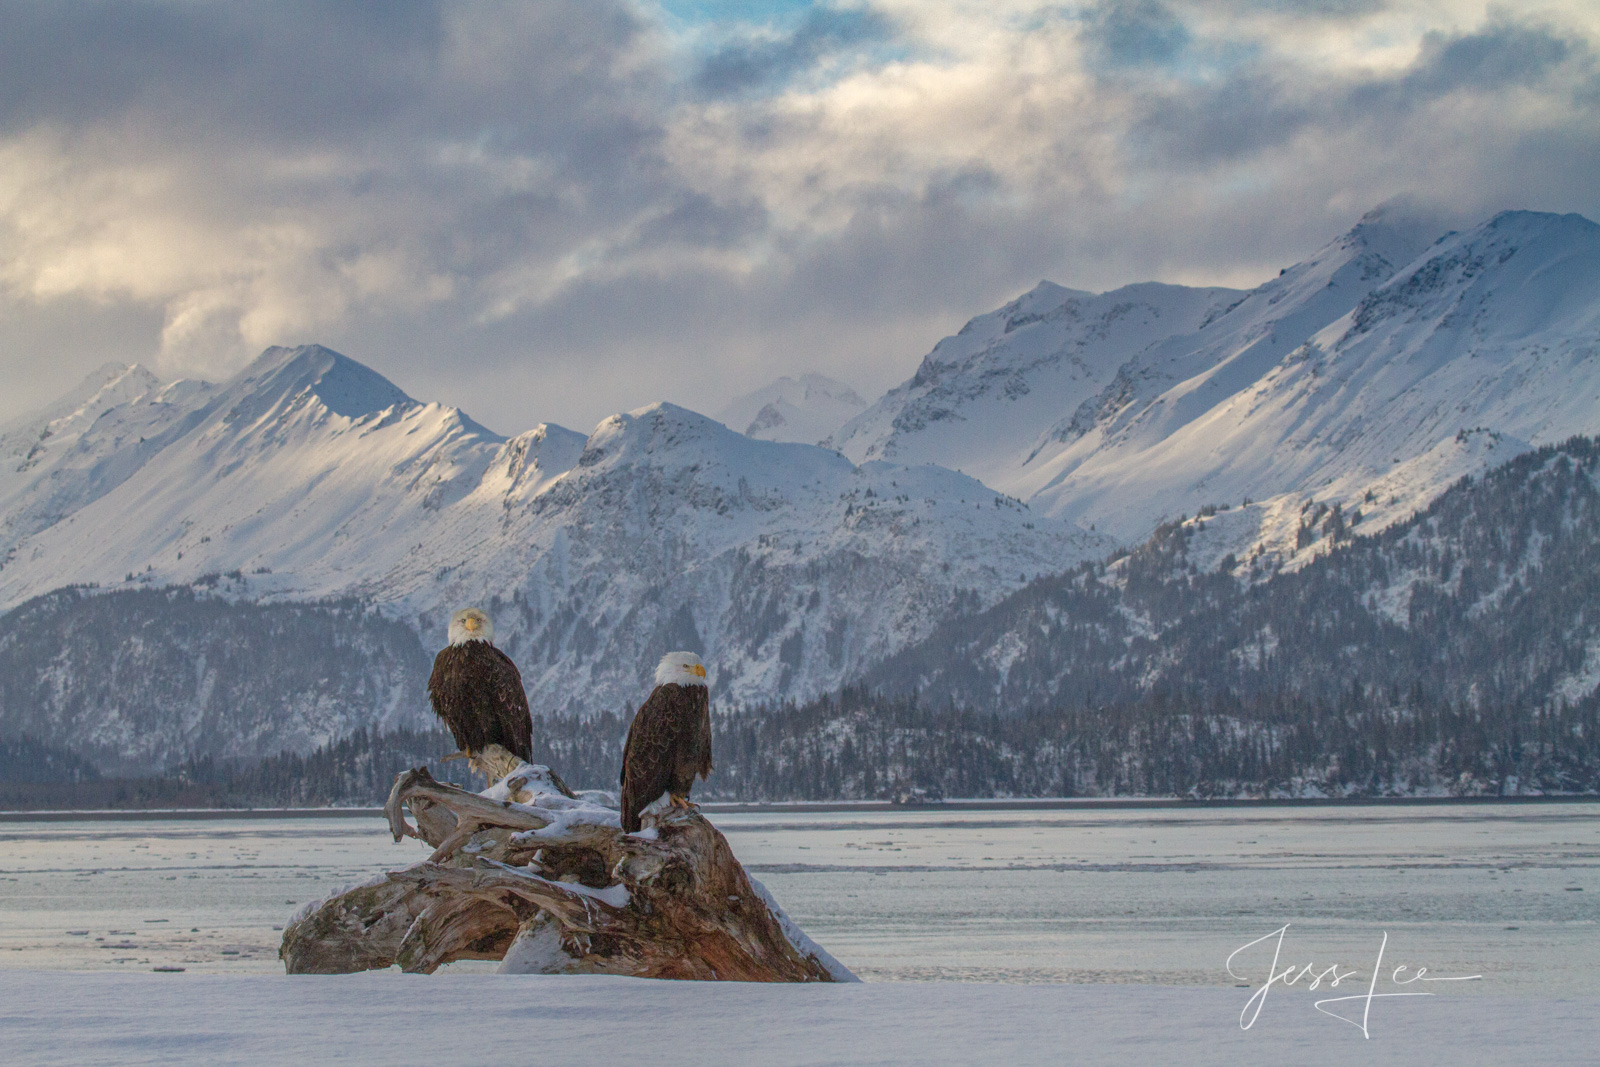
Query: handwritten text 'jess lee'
[1332, 975]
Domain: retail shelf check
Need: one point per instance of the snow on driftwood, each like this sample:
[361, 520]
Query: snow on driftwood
[543, 879]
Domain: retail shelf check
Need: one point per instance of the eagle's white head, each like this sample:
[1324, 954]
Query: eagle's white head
[680, 668]
[470, 624]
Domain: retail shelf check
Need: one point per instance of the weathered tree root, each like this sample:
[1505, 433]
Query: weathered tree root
[546, 881]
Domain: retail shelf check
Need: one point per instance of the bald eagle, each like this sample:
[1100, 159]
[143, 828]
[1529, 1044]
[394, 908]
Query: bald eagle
[477, 690]
[670, 739]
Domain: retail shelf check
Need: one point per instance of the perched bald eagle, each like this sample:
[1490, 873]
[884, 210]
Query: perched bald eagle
[670, 739]
[477, 690]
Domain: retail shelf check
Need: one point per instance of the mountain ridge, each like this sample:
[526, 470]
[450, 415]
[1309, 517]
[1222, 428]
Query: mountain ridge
[1263, 398]
[309, 476]
[1267, 427]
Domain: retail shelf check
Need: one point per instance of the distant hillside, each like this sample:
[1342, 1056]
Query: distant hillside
[137, 680]
[27, 760]
[1487, 599]
[857, 745]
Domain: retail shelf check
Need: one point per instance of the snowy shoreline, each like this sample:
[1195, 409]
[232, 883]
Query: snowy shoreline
[824, 807]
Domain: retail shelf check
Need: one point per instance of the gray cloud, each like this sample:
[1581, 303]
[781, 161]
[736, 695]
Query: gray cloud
[276, 69]
[1320, 9]
[696, 220]
[1265, 105]
[1503, 54]
[554, 211]
[756, 62]
[1130, 33]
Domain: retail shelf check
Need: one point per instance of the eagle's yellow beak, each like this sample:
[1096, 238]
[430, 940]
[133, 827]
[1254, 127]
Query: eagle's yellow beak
[471, 622]
[698, 670]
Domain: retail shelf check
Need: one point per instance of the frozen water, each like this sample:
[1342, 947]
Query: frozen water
[205, 895]
[1509, 891]
[1163, 896]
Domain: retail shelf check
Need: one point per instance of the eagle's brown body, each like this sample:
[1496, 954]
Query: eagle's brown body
[668, 744]
[477, 691]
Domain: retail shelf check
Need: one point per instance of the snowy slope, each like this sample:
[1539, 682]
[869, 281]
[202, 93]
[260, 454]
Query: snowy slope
[789, 565]
[138, 680]
[804, 409]
[1484, 600]
[85, 445]
[1494, 330]
[981, 399]
[1376, 372]
[303, 464]
[312, 476]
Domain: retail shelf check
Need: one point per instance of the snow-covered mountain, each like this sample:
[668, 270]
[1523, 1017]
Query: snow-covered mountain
[1495, 330]
[301, 467]
[1374, 374]
[980, 400]
[85, 445]
[1484, 600]
[804, 409]
[1340, 397]
[310, 476]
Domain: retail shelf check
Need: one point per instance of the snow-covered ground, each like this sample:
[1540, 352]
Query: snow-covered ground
[1087, 895]
[388, 1019]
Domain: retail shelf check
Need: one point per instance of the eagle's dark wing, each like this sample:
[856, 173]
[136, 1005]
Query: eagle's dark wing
[703, 732]
[513, 720]
[647, 758]
[477, 691]
[447, 692]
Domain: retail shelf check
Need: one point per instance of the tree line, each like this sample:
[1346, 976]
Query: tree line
[859, 745]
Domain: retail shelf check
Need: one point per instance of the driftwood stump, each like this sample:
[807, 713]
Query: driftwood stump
[528, 873]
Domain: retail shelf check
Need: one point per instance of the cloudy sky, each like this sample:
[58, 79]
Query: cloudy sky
[553, 211]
